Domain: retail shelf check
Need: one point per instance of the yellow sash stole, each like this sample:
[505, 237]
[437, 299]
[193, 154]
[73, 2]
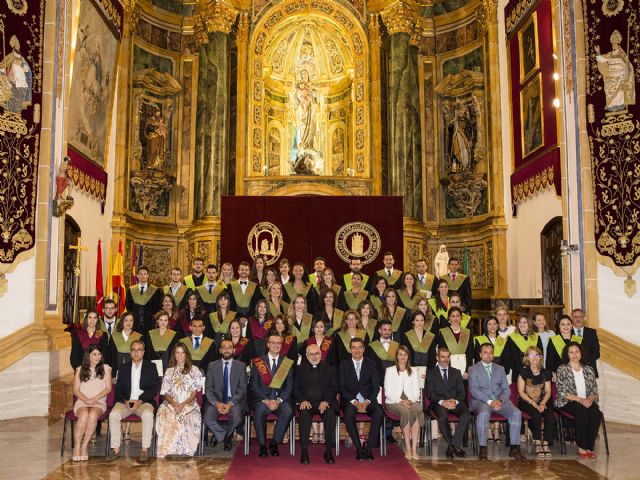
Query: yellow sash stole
[456, 347]
[420, 346]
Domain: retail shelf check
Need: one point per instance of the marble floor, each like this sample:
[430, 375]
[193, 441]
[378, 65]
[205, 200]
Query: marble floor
[30, 449]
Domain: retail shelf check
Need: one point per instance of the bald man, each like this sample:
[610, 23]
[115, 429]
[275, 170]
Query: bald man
[315, 391]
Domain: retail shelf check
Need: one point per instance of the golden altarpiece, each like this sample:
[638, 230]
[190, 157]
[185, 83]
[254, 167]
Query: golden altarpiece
[320, 97]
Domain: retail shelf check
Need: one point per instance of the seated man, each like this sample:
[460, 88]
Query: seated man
[226, 392]
[316, 391]
[447, 394]
[136, 389]
[490, 394]
[271, 388]
[359, 387]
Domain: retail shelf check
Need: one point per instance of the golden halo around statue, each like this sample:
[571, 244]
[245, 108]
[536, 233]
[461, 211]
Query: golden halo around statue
[265, 239]
[358, 240]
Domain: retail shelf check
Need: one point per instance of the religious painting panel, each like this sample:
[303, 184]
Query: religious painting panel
[531, 114]
[22, 29]
[528, 48]
[612, 50]
[463, 138]
[93, 81]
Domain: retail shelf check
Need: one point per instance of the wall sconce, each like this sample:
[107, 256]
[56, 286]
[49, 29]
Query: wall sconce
[265, 170]
[566, 249]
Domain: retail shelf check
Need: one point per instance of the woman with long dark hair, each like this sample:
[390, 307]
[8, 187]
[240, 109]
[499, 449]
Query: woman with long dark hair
[127, 331]
[89, 334]
[194, 309]
[243, 347]
[91, 386]
[299, 285]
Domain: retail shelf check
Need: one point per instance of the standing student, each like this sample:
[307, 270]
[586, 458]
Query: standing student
[196, 277]
[176, 288]
[392, 275]
[210, 289]
[160, 341]
[144, 300]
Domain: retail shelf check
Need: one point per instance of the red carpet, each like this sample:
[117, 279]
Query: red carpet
[285, 466]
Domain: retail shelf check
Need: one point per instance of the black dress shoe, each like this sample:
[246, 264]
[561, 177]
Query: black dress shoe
[263, 451]
[328, 457]
[450, 453]
[483, 453]
[304, 457]
[361, 455]
[273, 447]
[227, 443]
[515, 454]
[213, 442]
[391, 440]
[459, 452]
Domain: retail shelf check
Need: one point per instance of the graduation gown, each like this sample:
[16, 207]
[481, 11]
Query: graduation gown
[144, 306]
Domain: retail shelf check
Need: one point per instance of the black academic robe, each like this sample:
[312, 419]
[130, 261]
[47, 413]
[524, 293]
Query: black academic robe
[144, 306]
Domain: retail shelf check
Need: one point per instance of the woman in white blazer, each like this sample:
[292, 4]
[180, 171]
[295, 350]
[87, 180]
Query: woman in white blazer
[402, 398]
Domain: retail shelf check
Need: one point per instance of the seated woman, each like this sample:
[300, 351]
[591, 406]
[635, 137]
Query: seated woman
[350, 299]
[517, 343]
[559, 342]
[89, 334]
[439, 303]
[300, 285]
[351, 328]
[271, 277]
[323, 340]
[408, 291]
[121, 341]
[243, 347]
[458, 340]
[369, 321]
[402, 397]
[544, 332]
[260, 324]
[194, 309]
[329, 282]
[289, 342]
[377, 294]
[178, 419]
[578, 395]
[299, 319]
[160, 341]
[455, 300]
[91, 386]
[534, 388]
[420, 342]
[169, 306]
[331, 315]
[398, 316]
[221, 318]
[422, 305]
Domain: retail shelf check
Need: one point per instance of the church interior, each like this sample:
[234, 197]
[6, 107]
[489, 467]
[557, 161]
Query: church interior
[498, 134]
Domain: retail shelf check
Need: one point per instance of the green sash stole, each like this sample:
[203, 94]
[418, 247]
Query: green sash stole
[498, 346]
[336, 322]
[559, 343]
[202, 350]
[376, 302]
[456, 348]
[523, 344]
[292, 292]
[276, 380]
[265, 292]
[274, 310]
[221, 326]
[460, 277]
[124, 346]
[398, 316]
[180, 293]
[407, 301]
[145, 297]
[207, 297]
[243, 300]
[371, 327]
[387, 356]
[347, 280]
[346, 338]
[437, 311]
[465, 320]
[354, 300]
[103, 326]
[420, 346]
[391, 279]
[305, 328]
[428, 283]
[160, 343]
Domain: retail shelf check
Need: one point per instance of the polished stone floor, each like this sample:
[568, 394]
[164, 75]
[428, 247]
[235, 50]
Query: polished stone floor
[30, 449]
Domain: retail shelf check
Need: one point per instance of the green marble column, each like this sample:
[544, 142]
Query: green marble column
[212, 125]
[405, 141]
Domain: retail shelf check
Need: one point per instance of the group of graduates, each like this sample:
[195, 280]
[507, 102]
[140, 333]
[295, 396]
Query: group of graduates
[270, 321]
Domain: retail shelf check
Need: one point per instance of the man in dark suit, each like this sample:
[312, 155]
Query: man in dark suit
[226, 391]
[144, 300]
[590, 343]
[359, 387]
[136, 388]
[447, 395]
[271, 389]
[316, 390]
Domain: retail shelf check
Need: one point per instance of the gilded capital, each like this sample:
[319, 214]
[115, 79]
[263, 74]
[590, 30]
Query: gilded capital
[213, 16]
[486, 14]
[374, 28]
[400, 17]
[243, 26]
[132, 12]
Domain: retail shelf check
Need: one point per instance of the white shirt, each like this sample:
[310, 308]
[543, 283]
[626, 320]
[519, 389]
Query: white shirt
[510, 329]
[271, 359]
[284, 279]
[135, 381]
[111, 322]
[581, 386]
[244, 329]
[578, 332]
[141, 286]
[388, 271]
[357, 365]
[385, 344]
[174, 288]
[213, 285]
[395, 383]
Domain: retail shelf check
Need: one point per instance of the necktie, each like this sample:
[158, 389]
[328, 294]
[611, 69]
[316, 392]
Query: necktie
[421, 280]
[197, 342]
[243, 282]
[444, 375]
[225, 383]
[453, 277]
[388, 273]
[318, 279]
[358, 370]
[274, 367]
[141, 290]
[109, 326]
[210, 288]
[488, 368]
[580, 332]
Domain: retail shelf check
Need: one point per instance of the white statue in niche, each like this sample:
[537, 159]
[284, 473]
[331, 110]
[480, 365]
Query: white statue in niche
[617, 74]
[441, 262]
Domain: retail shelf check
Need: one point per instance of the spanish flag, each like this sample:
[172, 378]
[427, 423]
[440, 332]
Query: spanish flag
[117, 280]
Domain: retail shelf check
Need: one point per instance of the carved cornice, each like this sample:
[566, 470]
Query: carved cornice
[400, 17]
[213, 16]
[486, 14]
[423, 28]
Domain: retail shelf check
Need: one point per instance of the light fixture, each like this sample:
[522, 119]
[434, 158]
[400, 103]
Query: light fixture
[556, 76]
[566, 249]
[556, 102]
